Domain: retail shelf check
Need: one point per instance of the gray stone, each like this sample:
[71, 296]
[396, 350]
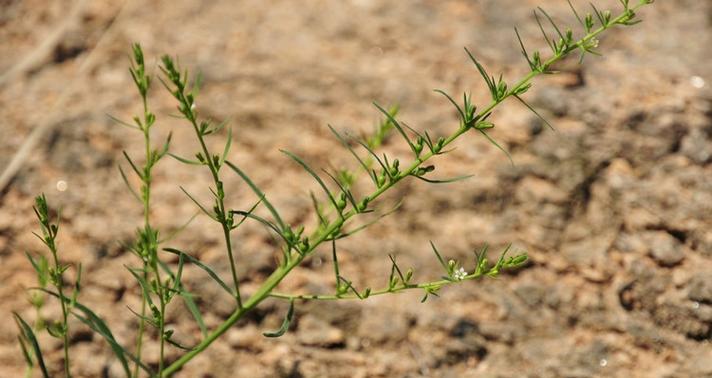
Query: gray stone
[316, 332]
[701, 288]
[664, 248]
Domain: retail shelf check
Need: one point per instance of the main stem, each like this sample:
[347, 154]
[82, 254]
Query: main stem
[146, 225]
[278, 275]
[65, 330]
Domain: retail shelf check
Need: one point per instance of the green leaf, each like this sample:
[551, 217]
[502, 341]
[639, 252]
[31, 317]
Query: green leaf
[27, 333]
[285, 324]
[364, 226]
[145, 287]
[207, 269]
[212, 216]
[41, 267]
[184, 160]
[122, 123]
[25, 353]
[398, 127]
[133, 166]
[126, 181]
[315, 176]
[260, 195]
[348, 147]
[551, 21]
[184, 294]
[94, 322]
[178, 230]
[265, 222]
[227, 146]
[443, 181]
[488, 79]
[534, 111]
[459, 110]
[511, 161]
[543, 32]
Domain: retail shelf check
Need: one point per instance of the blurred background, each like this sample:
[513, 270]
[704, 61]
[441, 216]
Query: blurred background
[614, 208]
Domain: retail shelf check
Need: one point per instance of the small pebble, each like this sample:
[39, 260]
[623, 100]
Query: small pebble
[61, 185]
[697, 82]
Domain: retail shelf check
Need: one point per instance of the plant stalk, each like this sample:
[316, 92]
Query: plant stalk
[281, 272]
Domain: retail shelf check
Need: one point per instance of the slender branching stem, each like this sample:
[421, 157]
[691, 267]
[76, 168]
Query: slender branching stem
[65, 311]
[146, 225]
[326, 233]
[220, 198]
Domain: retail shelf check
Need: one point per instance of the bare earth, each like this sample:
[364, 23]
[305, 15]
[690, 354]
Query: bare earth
[614, 208]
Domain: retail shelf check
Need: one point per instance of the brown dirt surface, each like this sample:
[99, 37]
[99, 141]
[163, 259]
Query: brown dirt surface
[614, 208]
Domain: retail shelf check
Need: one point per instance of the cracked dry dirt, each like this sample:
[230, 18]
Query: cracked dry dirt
[615, 208]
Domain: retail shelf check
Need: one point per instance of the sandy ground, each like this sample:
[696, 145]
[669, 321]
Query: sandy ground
[615, 208]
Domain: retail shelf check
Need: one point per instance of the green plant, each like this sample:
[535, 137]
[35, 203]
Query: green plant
[161, 283]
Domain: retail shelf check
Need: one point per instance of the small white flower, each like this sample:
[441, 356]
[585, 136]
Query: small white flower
[192, 106]
[460, 274]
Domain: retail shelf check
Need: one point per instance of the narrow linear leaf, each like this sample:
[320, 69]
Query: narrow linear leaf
[265, 222]
[355, 155]
[532, 65]
[551, 21]
[198, 204]
[349, 285]
[259, 194]
[488, 80]
[375, 156]
[459, 110]
[397, 269]
[184, 294]
[314, 175]
[444, 181]
[336, 263]
[252, 210]
[535, 112]
[437, 254]
[543, 32]
[285, 324]
[178, 230]
[178, 345]
[126, 182]
[145, 287]
[347, 192]
[228, 144]
[317, 210]
[142, 317]
[133, 166]
[29, 335]
[511, 161]
[576, 13]
[98, 325]
[398, 127]
[364, 226]
[25, 352]
[207, 269]
[122, 123]
[184, 160]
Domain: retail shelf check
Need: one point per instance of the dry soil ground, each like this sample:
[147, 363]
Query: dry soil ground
[615, 208]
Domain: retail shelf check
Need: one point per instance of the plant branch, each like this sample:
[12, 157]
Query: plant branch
[329, 231]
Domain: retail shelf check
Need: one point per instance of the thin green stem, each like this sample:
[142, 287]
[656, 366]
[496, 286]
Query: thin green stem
[65, 313]
[146, 198]
[220, 198]
[396, 289]
[265, 290]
